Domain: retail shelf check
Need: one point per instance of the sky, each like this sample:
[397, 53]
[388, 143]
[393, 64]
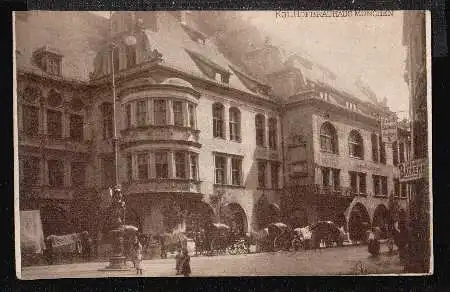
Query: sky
[357, 47]
[365, 47]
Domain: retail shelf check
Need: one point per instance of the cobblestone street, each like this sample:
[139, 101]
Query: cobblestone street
[332, 261]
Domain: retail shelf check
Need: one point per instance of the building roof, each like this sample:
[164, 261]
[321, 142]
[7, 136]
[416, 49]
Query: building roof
[78, 47]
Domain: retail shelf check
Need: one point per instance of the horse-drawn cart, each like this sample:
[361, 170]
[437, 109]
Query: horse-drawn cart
[223, 241]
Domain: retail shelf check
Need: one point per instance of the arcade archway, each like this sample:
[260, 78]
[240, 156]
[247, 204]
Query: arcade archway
[55, 220]
[200, 216]
[234, 216]
[267, 213]
[358, 223]
[381, 220]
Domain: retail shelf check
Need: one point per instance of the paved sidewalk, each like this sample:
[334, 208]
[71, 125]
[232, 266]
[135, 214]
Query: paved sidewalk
[331, 261]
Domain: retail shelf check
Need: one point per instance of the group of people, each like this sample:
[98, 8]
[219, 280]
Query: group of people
[182, 259]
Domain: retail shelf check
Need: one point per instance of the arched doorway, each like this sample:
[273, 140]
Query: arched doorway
[267, 213]
[358, 223]
[55, 220]
[381, 219]
[299, 218]
[341, 221]
[234, 216]
[199, 216]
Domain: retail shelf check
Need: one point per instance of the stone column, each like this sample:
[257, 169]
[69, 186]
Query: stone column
[43, 119]
[20, 118]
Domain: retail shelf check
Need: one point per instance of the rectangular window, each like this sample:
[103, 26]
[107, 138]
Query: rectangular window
[259, 125]
[376, 185]
[55, 173]
[54, 66]
[362, 184]
[273, 133]
[194, 166]
[178, 113]
[325, 176]
[107, 112]
[142, 166]
[382, 152]
[402, 152]
[191, 109]
[162, 165]
[336, 179]
[220, 169]
[396, 187]
[403, 190]
[31, 171]
[141, 112]
[30, 117]
[275, 169]
[353, 182]
[130, 168]
[54, 124]
[384, 186]
[128, 115]
[236, 171]
[78, 173]
[395, 153]
[218, 121]
[235, 124]
[108, 171]
[262, 174]
[180, 164]
[76, 127]
[374, 140]
[160, 112]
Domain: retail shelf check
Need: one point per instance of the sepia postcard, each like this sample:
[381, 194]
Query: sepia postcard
[222, 143]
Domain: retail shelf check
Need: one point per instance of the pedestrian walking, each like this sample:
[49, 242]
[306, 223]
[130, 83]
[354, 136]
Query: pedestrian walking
[374, 242]
[185, 263]
[137, 255]
[178, 260]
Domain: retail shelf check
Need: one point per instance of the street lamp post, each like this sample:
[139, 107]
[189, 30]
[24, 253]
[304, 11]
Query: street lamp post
[117, 260]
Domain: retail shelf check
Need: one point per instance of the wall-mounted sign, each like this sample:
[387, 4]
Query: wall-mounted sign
[413, 170]
[389, 130]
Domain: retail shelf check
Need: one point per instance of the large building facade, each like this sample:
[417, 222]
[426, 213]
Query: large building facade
[202, 136]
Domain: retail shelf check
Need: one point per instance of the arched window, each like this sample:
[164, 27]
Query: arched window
[54, 98]
[355, 145]
[218, 112]
[31, 94]
[328, 138]
[260, 129]
[273, 133]
[107, 118]
[235, 124]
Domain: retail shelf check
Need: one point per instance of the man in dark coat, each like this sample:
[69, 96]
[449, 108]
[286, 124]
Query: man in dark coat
[185, 263]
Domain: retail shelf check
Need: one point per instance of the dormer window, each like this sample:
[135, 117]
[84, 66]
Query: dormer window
[48, 60]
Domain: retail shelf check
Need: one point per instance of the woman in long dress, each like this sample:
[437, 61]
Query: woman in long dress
[137, 247]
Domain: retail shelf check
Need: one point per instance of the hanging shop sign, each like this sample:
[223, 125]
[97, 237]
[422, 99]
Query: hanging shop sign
[413, 170]
[389, 130]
